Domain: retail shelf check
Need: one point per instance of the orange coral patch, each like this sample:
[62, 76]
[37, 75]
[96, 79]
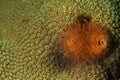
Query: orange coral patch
[84, 40]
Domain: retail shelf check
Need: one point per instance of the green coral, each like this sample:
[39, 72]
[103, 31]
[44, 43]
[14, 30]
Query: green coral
[29, 30]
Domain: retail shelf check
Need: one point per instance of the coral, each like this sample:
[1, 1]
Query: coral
[84, 40]
[29, 30]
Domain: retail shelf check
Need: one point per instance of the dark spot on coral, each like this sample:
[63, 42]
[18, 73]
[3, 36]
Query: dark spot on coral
[59, 61]
[101, 43]
[114, 70]
[84, 17]
[25, 20]
[113, 44]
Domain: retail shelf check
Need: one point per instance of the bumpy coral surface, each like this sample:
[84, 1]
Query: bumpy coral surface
[29, 30]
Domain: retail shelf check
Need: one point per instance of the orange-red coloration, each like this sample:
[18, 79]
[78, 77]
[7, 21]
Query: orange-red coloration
[84, 40]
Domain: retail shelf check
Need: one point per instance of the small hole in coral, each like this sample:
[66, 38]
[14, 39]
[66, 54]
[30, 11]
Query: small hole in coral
[72, 40]
[101, 42]
[62, 37]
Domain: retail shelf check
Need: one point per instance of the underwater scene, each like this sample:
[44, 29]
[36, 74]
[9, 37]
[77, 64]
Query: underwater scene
[59, 39]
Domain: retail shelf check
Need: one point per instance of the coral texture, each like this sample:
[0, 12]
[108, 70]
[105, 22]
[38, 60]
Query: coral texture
[29, 30]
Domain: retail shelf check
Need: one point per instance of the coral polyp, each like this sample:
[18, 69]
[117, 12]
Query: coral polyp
[84, 41]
